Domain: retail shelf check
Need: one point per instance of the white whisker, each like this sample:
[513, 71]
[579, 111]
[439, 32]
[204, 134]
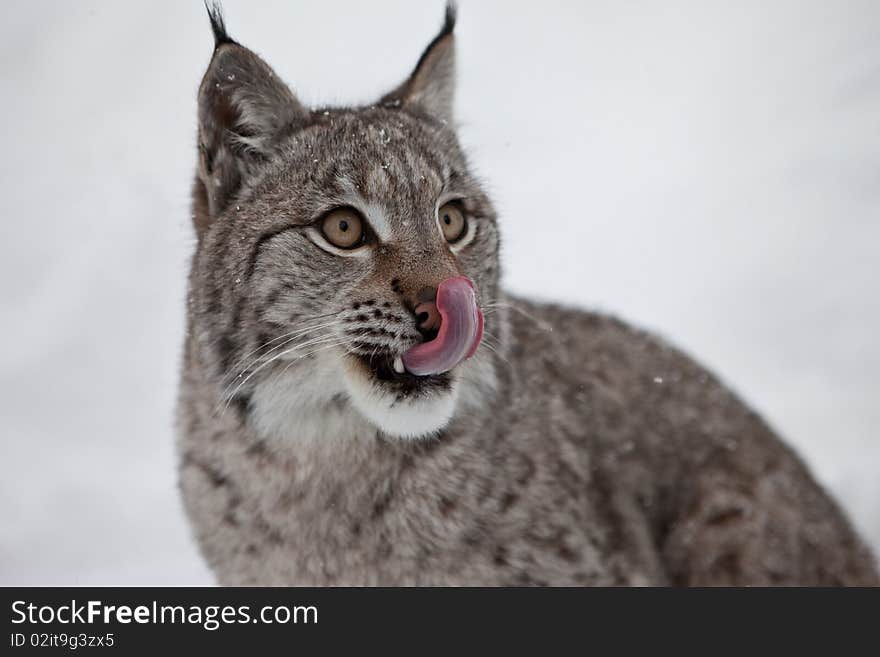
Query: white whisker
[493, 307]
[289, 337]
[230, 396]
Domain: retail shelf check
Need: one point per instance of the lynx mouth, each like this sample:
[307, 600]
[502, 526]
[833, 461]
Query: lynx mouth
[459, 334]
[401, 404]
[387, 369]
[413, 394]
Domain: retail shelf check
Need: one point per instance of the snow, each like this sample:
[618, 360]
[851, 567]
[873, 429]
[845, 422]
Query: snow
[708, 172]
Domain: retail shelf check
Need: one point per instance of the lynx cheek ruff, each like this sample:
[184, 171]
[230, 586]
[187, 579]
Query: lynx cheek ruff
[461, 329]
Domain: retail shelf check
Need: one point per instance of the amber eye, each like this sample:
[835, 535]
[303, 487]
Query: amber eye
[452, 222]
[343, 228]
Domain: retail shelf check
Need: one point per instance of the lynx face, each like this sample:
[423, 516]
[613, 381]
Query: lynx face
[344, 253]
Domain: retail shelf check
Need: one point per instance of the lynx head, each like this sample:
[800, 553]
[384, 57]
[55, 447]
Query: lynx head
[344, 253]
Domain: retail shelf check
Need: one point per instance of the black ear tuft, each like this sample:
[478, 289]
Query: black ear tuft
[218, 25]
[430, 88]
[447, 29]
[451, 15]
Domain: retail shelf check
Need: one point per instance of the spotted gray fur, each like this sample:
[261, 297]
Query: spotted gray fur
[579, 450]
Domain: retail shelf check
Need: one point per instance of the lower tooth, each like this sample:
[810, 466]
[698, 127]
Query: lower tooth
[398, 365]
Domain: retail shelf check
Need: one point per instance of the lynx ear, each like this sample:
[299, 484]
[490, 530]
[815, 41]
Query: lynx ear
[431, 86]
[243, 109]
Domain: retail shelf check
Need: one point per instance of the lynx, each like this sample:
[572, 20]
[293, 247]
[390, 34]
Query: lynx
[361, 403]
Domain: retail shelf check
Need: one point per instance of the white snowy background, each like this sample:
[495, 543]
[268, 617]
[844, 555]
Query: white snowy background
[710, 170]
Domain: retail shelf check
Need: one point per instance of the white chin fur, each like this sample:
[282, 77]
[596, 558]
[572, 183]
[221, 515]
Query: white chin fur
[416, 417]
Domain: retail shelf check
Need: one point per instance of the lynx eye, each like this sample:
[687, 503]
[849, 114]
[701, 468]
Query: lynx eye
[452, 222]
[343, 228]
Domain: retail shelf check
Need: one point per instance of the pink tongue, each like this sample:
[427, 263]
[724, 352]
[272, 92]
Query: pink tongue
[461, 328]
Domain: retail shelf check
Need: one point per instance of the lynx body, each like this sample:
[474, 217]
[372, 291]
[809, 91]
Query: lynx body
[568, 448]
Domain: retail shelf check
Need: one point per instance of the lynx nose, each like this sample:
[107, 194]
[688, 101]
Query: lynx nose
[427, 315]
